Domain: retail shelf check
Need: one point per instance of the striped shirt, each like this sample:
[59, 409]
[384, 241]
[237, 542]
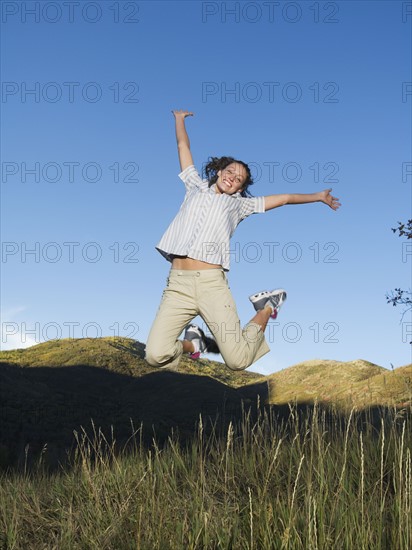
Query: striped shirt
[206, 221]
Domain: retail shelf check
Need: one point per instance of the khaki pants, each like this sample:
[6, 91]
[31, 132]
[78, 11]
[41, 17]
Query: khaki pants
[205, 293]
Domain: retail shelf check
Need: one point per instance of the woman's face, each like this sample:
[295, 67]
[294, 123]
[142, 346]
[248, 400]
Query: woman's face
[231, 179]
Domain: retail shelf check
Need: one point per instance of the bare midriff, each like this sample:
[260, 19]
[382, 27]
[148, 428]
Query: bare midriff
[183, 262]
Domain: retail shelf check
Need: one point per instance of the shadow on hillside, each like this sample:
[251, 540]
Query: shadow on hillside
[46, 405]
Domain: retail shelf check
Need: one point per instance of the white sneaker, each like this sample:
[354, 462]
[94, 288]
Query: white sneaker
[272, 298]
[193, 333]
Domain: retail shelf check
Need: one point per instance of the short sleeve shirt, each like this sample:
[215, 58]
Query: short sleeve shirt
[206, 221]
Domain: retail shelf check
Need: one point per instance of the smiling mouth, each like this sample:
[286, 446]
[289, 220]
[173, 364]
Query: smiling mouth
[228, 184]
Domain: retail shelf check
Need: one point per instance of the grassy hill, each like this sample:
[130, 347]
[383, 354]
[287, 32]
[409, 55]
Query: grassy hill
[355, 384]
[54, 389]
[117, 354]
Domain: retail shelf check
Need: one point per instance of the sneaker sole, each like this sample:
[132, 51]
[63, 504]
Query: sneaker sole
[255, 297]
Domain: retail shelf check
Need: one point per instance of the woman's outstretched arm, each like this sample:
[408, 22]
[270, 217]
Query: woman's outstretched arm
[183, 143]
[274, 201]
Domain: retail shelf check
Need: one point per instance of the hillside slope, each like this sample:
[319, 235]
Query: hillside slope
[356, 384]
[117, 354]
[51, 391]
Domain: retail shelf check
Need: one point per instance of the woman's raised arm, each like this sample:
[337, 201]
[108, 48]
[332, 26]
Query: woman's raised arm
[274, 201]
[183, 143]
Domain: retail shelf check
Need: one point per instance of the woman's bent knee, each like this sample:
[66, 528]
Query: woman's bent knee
[156, 359]
[239, 364]
[160, 358]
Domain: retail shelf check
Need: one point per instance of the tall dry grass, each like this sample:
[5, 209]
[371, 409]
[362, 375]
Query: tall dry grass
[311, 481]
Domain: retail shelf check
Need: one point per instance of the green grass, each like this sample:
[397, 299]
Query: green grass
[314, 480]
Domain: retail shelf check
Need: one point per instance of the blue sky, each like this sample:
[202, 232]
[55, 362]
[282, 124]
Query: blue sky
[305, 92]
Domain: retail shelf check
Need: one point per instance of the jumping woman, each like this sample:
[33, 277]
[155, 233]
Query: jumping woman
[197, 243]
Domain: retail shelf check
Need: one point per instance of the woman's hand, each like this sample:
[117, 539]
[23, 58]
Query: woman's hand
[182, 114]
[326, 197]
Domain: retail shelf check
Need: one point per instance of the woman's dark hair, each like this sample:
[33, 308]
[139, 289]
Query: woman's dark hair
[219, 163]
